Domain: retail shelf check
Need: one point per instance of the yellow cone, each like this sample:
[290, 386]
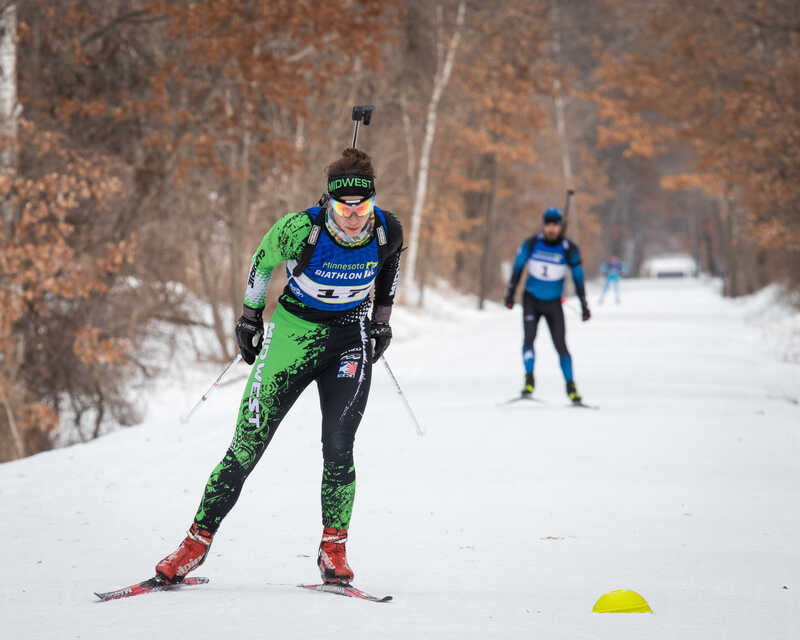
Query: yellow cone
[621, 601]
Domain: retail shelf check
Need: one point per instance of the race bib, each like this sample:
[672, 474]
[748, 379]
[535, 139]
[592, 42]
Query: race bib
[360, 283]
[548, 271]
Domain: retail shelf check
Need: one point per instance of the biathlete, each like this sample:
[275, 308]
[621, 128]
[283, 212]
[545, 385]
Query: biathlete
[545, 257]
[334, 253]
[613, 270]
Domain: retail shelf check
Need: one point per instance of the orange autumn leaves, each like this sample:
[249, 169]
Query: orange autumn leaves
[43, 265]
[724, 80]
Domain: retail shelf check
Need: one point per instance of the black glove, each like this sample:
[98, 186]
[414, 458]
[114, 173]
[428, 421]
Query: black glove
[250, 333]
[381, 333]
[509, 301]
[585, 313]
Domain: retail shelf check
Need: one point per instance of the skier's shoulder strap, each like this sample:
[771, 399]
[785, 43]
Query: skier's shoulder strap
[531, 242]
[317, 215]
[380, 229]
[570, 251]
[388, 233]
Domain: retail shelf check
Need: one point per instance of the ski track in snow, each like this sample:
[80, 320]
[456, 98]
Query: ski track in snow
[503, 522]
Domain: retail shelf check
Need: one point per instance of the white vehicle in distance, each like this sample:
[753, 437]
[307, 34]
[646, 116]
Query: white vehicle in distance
[677, 265]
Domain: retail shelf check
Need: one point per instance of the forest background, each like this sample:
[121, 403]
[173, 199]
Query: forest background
[147, 145]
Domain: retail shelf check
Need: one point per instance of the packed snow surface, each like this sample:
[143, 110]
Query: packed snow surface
[502, 522]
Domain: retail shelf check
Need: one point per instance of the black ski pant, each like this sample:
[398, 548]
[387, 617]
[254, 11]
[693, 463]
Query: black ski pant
[533, 310]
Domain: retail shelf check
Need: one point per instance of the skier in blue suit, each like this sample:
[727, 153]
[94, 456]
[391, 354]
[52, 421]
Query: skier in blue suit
[546, 257]
[613, 269]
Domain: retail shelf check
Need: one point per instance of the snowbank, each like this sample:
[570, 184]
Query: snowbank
[775, 311]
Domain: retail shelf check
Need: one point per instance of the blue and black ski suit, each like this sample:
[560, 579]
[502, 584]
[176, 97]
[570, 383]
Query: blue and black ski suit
[546, 264]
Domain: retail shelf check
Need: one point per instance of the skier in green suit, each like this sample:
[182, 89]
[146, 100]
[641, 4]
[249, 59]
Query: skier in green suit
[335, 254]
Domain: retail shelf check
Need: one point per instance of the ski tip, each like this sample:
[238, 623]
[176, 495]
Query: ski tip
[105, 596]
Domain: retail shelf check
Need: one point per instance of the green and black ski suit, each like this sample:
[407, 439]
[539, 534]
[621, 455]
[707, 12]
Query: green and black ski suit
[318, 332]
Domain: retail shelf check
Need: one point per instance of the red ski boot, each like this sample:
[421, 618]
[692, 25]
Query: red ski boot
[188, 556]
[332, 559]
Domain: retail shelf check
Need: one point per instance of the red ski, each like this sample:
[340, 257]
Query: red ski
[148, 586]
[343, 589]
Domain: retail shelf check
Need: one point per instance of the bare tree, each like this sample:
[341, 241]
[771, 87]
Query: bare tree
[445, 55]
[9, 106]
[561, 122]
[9, 115]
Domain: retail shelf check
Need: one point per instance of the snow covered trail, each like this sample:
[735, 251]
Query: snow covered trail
[503, 522]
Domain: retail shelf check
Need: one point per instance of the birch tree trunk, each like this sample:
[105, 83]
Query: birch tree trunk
[9, 107]
[9, 115]
[409, 136]
[444, 67]
[239, 227]
[561, 121]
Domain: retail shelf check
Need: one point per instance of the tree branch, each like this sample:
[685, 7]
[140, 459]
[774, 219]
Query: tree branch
[128, 17]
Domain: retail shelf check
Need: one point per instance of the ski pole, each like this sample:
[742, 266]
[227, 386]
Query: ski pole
[185, 419]
[420, 430]
[567, 304]
[577, 313]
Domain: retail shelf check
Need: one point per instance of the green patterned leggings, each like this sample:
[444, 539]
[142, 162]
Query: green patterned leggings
[295, 353]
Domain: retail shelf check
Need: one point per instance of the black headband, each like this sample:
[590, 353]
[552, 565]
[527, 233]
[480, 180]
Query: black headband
[351, 184]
